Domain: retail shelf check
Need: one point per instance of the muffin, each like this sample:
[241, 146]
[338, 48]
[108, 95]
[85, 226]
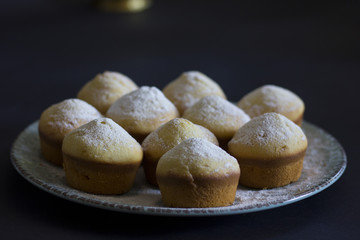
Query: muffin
[103, 90]
[270, 98]
[218, 115]
[270, 150]
[100, 157]
[165, 138]
[58, 120]
[142, 111]
[208, 134]
[197, 174]
[190, 87]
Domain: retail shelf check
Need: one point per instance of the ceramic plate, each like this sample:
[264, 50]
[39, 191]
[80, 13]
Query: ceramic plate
[324, 163]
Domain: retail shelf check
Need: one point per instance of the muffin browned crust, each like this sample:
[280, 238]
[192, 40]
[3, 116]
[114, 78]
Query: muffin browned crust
[57, 121]
[103, 90]
[101, 157]
[271, 98]
[270, 150]
[165, 138]
[220, 116]
[197, 173]
[185, 192]
[142, 111]
[190, 87]
[99, 178]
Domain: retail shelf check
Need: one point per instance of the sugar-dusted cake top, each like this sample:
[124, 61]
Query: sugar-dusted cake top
[61, 118]
[171, 134]
[105, 89]
[146, 108]
[102, 140]
[197, 157]
[190, 87]
[267, 136]
[220, 116]
[271, 98]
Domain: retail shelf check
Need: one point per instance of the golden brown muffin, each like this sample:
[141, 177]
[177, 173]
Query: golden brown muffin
[165, 138]
[218, 115]
[271, 98]
[58, 120]
[197, 174]
[142, 111]
[101, 157]
[103, 90]
[270, 150]
[190, 87]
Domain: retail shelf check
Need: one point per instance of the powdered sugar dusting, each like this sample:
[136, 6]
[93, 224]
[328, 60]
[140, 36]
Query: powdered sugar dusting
[196, 82]
[270, 98]
[117, 79]
[196, 147]
[69, 114]
[101, 140]
[269, 128]
[215, 110]
[155, 140]
[323, 160]
[190, 87]
[173, 133]
[196, 155]
[178, 129]
[143, 103]
[105, 88]
[102, 131]
[324, 163]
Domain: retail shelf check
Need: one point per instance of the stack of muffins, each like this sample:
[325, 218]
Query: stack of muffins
[190, 140]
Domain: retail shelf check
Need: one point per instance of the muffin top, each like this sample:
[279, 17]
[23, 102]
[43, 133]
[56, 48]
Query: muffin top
[208, 134]
[104, 141]
[218, 115]
[61, 118]
[268, 136]
[196, 157]
[105, 89]
[142, 110]
[189, 87]
[271, 98]
[171, 134]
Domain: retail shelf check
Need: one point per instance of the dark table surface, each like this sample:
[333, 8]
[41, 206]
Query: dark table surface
[49, 49]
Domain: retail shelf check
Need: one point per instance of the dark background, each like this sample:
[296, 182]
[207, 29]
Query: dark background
[49, 49]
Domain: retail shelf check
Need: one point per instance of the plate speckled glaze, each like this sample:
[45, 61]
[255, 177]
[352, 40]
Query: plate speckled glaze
[324, 163]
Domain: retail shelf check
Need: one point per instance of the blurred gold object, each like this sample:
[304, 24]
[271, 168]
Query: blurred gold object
[130, 6]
